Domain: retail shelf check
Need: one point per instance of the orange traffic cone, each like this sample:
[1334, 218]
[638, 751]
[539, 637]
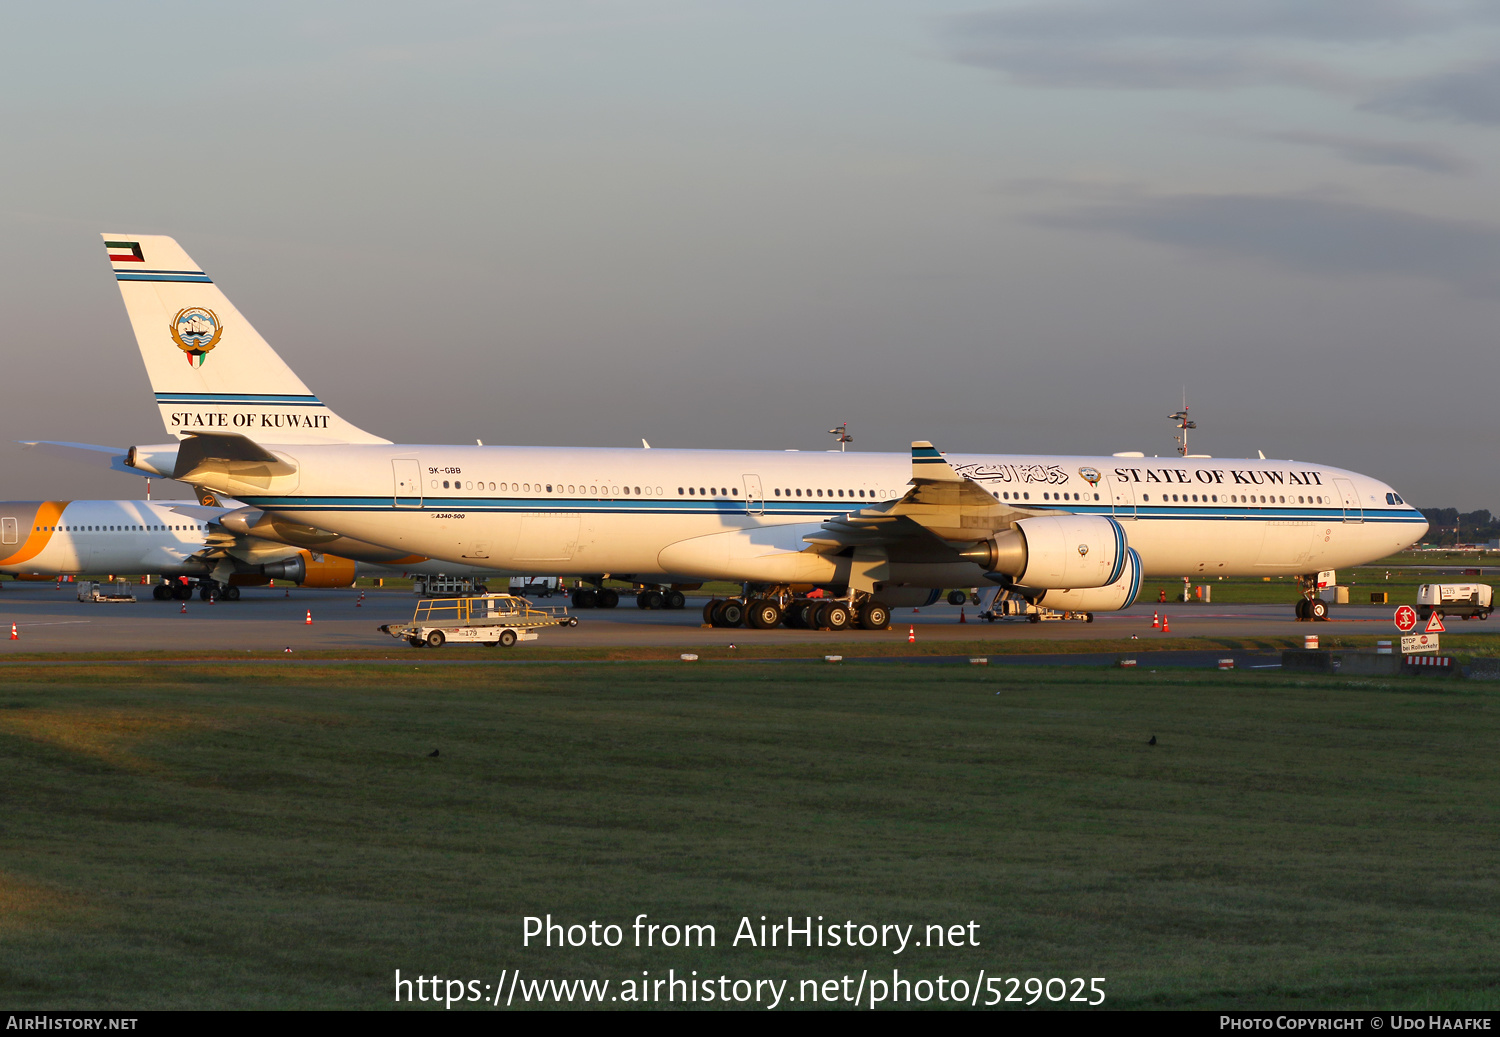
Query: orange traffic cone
[961, 618]
[1166, 627]
[308, 621]
[361, 602]
[911, 635]
[184, 608]
[1156, 621]
[15, 635]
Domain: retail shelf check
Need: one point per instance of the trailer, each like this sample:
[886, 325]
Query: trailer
[487, 619]
[105, 592]
[448, 586]
[1466, 600]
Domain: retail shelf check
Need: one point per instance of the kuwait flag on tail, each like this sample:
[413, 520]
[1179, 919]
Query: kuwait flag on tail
[124, 251]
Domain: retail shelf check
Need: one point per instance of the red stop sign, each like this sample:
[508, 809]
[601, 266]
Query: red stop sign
[1406, 618]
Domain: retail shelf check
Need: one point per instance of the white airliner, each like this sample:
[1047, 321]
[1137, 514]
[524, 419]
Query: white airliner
[877, 530]
[191, 545]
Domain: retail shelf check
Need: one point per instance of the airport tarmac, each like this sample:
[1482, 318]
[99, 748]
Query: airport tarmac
[52, 620]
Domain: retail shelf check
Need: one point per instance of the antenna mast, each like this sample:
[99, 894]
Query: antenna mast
[1183, 424]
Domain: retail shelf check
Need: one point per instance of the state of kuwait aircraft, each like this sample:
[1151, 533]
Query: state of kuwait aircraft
[874, 531]
[188, 543]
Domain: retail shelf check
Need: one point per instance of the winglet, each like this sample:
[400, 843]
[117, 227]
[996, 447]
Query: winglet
[929, 465]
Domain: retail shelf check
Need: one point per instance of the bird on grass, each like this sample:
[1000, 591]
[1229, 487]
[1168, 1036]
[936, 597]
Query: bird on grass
[435, 752]
[1152, 742]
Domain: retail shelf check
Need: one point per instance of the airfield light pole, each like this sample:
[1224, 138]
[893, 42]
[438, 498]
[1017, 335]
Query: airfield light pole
[842, 431]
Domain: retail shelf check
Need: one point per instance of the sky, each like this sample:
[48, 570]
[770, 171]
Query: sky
[1009, 227]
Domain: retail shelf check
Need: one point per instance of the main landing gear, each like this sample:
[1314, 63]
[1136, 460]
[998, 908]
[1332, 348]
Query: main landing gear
[652, 598]
[773, 610]
[178, 590]
[599, 596]
[1310, 607]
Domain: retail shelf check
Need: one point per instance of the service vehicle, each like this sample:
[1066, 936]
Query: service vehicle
[1007, 606]
[1467, 600]
[487, 619]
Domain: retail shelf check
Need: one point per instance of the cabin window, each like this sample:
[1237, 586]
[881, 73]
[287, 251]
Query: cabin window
[1145, 496]
[638, 491]
[777, 491]
[1028, 496]
[627, 491]
[691, 492]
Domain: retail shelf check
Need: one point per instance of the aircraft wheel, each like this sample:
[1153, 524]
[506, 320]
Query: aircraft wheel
[585, 599]
[792, 616]
[1302, 604]
[231, 594]
[709, 609]
[1317, 610]
[764, 614]
[507, 638]
[731, 613]
[836, 616]
[205, 592]
[435, 639]
[182, 592]
[654, 599]
[161, 592]
[957, 597]
[675, 599]
[817, 616]
[608, 599]
[875, 616]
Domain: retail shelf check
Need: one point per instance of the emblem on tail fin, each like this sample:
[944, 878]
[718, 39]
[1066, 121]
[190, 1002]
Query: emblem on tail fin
[196, 331]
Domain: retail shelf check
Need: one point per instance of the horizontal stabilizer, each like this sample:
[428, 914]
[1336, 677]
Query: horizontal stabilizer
[111, 457]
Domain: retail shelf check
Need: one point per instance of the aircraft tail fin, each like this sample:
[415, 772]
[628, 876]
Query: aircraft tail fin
[209, 368]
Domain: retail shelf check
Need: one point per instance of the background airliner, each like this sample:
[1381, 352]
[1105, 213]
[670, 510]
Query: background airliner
[878, 530]
[185, 539]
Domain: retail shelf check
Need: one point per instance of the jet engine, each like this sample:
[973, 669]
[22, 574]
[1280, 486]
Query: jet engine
[310, 570]
[1057, 551]
[1118, 595]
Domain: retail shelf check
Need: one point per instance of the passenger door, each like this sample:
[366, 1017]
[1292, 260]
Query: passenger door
[408, 473]
[755, 500]
[1124, 497]
[1353, 512]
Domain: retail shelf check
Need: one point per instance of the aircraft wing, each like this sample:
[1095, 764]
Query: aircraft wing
[941, 506]
[111, 457]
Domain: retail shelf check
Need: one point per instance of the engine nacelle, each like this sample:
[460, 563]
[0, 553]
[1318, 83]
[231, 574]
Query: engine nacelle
[1118, 595]
[1057, 551]
[309, 570]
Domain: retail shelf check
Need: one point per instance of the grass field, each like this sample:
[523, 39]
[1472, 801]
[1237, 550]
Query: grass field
[260, 836]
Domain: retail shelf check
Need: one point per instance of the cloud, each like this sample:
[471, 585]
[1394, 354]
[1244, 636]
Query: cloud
[1366, 151]
[1307, 235]
[1192, 44]
[1470, 94]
